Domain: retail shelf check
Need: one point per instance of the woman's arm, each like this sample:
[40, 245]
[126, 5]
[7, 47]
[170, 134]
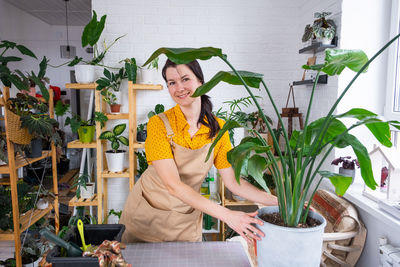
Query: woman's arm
[237, 220]
[245, 189]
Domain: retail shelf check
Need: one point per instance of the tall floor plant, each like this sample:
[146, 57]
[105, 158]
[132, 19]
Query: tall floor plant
[297, 167]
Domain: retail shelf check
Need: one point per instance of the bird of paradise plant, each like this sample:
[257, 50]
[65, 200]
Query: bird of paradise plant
[296, 168]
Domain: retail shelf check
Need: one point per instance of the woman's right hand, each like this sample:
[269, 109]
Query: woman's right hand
[241, 223]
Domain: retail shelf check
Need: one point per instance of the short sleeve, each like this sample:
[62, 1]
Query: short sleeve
[157, 146]
[221, 149]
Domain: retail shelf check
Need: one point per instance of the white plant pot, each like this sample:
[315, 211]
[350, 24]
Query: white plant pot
[85, 73]
[146, 76]
[33, 264]
[286, 246]
[325, 41]
[115, 161]
[42, 204]
[89, 191]
[2, 162]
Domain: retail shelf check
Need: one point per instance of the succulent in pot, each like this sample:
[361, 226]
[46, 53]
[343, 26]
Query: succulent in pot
[109, 85]
[348, 166]
[141, 132]
[296, 172]
[115, 157]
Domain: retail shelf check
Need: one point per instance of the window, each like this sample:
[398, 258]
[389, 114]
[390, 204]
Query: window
[392, 105]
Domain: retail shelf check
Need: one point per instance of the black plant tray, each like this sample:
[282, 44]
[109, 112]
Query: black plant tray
[95, 234]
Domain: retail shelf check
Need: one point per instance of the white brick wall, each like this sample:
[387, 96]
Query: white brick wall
[259, 36]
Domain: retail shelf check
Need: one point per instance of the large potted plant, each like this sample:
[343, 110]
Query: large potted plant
[115, 157]
[297, 171]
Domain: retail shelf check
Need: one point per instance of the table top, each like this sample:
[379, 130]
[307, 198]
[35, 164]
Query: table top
[193, 254]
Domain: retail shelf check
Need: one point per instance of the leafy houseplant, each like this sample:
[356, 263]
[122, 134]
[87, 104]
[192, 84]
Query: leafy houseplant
[299, 166]
[143, 165]
[348, 167]
[141, 133]
[322, 28]
[109, 85]
[16, 77]
[84, 186]
[115, 157]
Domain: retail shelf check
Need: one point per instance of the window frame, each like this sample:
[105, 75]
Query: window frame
[393, 60]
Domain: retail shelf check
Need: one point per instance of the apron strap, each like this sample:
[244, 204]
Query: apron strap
[170, 132]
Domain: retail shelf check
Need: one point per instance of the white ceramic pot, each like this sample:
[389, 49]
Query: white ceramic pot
[85, 73]
[325, 41]
[89, 191]
[115, 161]
[146, 76]
[42, 204]
[286, 246]
[33, 264]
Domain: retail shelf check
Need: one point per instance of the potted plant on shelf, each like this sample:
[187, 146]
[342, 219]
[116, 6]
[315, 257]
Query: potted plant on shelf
[109, 85]
[300, 165]
[322, 29]
[348, 167]
[84, 186]
[141, 132]
[142, 163]
[85, 73]
[115, 157]
[147, 73]
[84, 128]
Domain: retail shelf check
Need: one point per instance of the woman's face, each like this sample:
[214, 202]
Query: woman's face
[182, 83]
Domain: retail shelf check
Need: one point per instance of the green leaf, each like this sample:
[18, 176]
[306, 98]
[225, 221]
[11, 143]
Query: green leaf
[14, 79]
[75, 61]
[43, 89]
[340, 182]
[337, 59]
[60, 109]
[25, 51]
[363, 158]
[9, 59]
[186, 55]
[106, 135]
[256, 167]
[119, 129]
[43, 67]
[131, 69]
[100, 117]
[88, 30]
[115, 145]
[123, 140]
[107, 73]
[159, 108]
[378, 128]
[251, 79]
[227, 126]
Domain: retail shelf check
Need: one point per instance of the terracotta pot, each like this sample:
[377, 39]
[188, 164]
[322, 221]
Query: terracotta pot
[115, 108]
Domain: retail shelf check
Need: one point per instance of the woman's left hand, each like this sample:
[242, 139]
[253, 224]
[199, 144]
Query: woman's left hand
[241, 223]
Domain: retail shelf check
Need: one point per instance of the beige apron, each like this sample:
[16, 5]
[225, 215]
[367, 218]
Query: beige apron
[152, 214]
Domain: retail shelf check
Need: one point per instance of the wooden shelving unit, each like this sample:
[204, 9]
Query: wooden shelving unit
[79, 144]
[23, 222]
[102, 170]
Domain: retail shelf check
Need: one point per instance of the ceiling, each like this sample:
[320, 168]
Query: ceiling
[53, 11]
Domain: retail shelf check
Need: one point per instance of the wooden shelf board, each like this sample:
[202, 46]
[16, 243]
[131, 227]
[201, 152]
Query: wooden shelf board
[138, 86]
[6, 180]
[231, 202]
[79, 144]
[21, 161]
[117, 116]
[81, 85]
[138, 145]
[37, 215]
[6, 235]
[108, 174]
[83, 201]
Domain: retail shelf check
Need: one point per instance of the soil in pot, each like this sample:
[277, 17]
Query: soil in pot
[275, 218]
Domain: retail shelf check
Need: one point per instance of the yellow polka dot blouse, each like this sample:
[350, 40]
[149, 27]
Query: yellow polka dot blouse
[158, 147]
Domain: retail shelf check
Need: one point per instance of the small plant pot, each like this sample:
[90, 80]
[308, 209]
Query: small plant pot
[348, 172]
[42, 204]
[86, 133]
[89, 191]
[146, 76]
[141, 136]
[63, 165]
[85, 73]
[35, 150]
[115, 108]
[34, 173]
[115, 161]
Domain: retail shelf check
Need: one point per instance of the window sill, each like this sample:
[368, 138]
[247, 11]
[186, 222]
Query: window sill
[354, 195]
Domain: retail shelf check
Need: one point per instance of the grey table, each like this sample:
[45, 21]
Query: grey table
[178, 254]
